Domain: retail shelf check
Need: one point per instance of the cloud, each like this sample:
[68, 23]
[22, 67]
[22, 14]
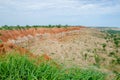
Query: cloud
[60, 7]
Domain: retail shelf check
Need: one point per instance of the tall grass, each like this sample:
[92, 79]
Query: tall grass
[17, 67]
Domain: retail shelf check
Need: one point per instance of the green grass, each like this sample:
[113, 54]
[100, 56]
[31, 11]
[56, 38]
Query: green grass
[17, 67]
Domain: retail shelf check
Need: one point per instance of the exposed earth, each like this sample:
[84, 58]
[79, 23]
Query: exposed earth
[72, 46]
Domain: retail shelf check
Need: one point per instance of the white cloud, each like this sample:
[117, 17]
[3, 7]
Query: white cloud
[61, 7]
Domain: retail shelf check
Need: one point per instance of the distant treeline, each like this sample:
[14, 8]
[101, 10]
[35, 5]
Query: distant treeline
[6, 27]
[113, 31]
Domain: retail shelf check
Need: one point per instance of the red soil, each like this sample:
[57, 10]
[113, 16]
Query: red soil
[7, 47]
[6, 35]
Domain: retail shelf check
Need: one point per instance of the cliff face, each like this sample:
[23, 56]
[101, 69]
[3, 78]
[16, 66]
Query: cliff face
[6, 35]
[22, 40]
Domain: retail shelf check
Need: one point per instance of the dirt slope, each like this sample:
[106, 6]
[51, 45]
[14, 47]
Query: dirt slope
[6, 35]
[68, 46]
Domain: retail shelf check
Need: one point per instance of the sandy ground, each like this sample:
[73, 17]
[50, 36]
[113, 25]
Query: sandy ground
[68, 48]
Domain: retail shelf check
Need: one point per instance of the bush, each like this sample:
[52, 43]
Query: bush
[104, 45]
[117, 76]
[111, 53]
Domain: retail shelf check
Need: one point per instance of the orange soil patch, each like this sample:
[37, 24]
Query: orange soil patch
[6, 35]
[7, 47]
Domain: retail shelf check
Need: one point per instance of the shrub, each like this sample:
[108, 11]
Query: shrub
[118, 76]
[118, 60]
[104, 45]
[97, 60]
[111, 53]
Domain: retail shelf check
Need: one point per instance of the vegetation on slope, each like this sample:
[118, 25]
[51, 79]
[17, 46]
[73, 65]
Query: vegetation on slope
[106, 58]
[113, 36]
[113, 31]
[21, 67]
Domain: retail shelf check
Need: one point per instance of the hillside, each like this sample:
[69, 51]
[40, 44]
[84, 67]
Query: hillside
[72, 46]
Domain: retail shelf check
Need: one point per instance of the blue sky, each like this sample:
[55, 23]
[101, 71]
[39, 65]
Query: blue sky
[71, 12]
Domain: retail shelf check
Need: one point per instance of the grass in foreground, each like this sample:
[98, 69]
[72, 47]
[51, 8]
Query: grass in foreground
[17, 67]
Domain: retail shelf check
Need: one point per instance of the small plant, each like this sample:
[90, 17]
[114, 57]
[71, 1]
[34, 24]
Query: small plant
[97, 60]
[116, 42]
[0, 41]
[95, 50]
[52, 53]
[88, 50]
[104, 45]
[0, 34]
[118, 76]
[111, 53]
[118, 60]
[85, 56]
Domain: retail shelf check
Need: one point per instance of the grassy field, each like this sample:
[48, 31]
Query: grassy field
[21, 67]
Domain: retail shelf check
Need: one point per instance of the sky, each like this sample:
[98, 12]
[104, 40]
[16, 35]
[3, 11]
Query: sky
[71, 12]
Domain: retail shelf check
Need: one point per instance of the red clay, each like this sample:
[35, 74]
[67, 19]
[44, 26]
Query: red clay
[6, 35]
[7, 47]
